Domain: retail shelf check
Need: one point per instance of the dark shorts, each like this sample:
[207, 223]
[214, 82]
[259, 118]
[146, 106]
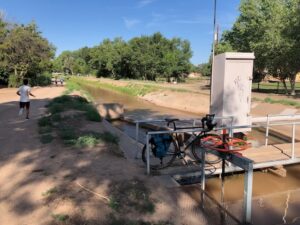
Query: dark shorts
[25, 104]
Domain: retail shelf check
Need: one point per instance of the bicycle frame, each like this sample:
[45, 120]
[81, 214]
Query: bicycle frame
[196, 137]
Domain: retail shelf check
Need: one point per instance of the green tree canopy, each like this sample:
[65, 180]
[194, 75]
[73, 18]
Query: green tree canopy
[269, 28]
[145, 57]
[24, 52]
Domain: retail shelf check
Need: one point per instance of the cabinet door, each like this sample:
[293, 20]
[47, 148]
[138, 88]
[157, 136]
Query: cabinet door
[238, 81]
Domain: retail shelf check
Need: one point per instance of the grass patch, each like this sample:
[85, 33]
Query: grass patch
[273, 86]
[66, 125]
[283, 102]
[71, 86]
[132, 89]
[131, 196]
[50, 192]
[108, 137]
[60, 217]
[46, 138]
[87, 139]
[66, 102]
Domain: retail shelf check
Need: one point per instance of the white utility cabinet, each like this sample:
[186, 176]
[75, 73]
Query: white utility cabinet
[231, 87]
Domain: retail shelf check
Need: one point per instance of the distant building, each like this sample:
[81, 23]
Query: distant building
[298, 77]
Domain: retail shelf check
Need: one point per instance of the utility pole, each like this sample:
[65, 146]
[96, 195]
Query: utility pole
[213, 50]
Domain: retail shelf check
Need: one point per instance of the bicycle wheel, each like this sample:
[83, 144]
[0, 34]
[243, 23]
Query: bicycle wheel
[202, 144]
[160, 162]
[230, 144]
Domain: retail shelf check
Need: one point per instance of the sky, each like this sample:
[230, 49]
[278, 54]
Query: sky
[73, 24]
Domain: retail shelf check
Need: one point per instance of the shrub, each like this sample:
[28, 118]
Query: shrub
[93, 115]
[45, 121]
[86, 141]
[13, 81]
[109, 138]
[43, 79]
[45, 129]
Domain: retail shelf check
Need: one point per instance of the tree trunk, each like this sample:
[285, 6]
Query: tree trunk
[285, 87]
[293, 82]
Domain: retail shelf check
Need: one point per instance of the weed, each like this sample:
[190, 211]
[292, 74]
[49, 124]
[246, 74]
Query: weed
[113, 204]
[50, 192]
[66, 102]
[109, 138]
[86, 141]
[60, 217]
[46, 138]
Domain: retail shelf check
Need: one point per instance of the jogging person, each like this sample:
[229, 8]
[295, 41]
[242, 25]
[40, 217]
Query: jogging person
[24, 92]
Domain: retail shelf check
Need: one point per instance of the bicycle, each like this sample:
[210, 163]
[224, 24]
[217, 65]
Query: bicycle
[165, 148]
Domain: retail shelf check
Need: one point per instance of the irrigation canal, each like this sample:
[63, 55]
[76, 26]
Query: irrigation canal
[276, 200]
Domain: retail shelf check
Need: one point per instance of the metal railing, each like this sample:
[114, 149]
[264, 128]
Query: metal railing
[243, 163]
[194, 122]
[267, 127]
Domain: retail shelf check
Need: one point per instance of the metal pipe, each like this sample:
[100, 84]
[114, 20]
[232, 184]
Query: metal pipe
[148, 154]
[267, 131]
[276, 118]
[293, 140]
[222, 181]
[202, 169]
[248, 182]
[213, 55]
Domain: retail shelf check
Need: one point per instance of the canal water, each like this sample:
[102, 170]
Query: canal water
[276, 200]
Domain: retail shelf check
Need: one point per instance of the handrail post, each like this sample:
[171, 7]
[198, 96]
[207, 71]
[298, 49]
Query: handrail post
[231, 121]
[267, 131]
[248, 194]
[148, 154]
[202, 169]
[293, 140]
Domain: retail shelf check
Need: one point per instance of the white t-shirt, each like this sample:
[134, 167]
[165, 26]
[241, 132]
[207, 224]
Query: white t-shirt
[24, 93]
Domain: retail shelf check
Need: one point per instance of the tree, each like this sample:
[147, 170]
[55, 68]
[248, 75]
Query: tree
[267, 27]
[145, 57]
[25, 52]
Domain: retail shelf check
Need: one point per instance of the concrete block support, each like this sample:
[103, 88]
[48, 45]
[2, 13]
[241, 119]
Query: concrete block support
[111, 111]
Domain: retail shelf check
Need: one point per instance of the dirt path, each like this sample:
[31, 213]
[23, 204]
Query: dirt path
[21, 189]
